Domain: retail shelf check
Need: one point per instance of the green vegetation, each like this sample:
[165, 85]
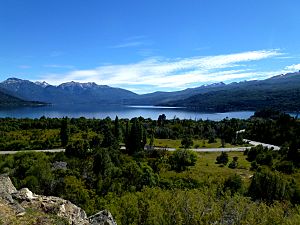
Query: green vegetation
[222, 159]
[157, 186]
[197, 143]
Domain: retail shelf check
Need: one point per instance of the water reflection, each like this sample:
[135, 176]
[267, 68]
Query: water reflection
[103, 111]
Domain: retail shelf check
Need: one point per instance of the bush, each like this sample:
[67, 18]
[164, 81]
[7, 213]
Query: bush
[187, 142]
[222, 159]
[285, 167]
[182, 158]
[269, 186]
[233, 165]
[254, 165]
[234, 183]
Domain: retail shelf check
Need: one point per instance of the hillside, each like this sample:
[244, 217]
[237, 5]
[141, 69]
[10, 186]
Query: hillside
[280, 92]
[9, 100]
[160, 97]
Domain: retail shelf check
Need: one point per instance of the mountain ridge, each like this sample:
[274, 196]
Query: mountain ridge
[243, 95]
[281, 92]
[69, 92]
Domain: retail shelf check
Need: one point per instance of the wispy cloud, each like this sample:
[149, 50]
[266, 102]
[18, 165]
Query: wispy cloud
[172, 73]
[128, 44]
[58, 66]
[133, 41]
[56, 53]
[24, 67]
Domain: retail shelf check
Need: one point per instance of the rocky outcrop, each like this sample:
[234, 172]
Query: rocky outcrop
[6, 185]
[24, 198]
[102, 218]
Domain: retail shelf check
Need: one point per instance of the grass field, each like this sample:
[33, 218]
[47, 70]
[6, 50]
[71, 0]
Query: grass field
[170, 143]
[207, 170]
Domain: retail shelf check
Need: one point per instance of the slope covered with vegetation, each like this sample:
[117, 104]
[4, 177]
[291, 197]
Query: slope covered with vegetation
[9, 100]
[260, 186]
[279, 93]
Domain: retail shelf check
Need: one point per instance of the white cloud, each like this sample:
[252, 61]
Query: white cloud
[293, 68]
[173, 73]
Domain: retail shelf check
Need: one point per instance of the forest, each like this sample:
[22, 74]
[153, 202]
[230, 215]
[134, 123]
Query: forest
[140, 184]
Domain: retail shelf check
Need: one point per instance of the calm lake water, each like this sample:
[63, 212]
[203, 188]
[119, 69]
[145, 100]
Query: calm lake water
[100, 111]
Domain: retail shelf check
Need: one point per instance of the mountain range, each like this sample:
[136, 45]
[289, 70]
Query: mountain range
[66, 93]
[279, 92]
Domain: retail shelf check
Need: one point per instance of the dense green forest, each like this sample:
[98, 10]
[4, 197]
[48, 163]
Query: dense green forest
[155, 186]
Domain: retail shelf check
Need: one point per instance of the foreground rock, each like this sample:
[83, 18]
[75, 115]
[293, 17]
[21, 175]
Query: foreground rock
[16, 202]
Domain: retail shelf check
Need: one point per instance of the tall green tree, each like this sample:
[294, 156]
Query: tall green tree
[117, 129]
[64, 132]
[187, 141]
[136, 138]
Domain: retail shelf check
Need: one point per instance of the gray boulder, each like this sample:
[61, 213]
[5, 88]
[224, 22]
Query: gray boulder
[102, 218]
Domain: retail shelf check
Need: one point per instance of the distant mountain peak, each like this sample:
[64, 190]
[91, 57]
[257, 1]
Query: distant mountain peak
[215, 84]
[42, 84]
[287, 75]
[13, 80]
[73, 84]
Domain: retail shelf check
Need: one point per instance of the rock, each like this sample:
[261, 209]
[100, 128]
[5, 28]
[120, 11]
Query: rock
[24, 194]
[11, 202]
[55, 205]
[59, 165]
[49, 204]
[6, 190]
[6, 185]
[102, 218]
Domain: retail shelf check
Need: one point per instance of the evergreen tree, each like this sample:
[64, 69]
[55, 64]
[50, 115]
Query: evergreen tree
[136, 138]
[117, 129]
[222, 159]
[108, 139]
[64, 132]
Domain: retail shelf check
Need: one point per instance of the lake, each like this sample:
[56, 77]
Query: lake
[100, 111]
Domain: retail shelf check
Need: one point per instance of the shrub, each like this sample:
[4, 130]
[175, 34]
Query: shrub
[182, 158]
[269, 186]
[285, 167]
[222, 159]
[234, 183]
[187, 142]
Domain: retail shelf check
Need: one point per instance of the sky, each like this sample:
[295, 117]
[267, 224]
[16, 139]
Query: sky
[148, 45]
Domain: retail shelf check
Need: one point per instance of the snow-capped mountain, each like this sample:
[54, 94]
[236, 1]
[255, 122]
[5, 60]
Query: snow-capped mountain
[70, 92]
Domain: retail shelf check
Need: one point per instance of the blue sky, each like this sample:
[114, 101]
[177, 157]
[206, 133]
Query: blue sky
[150, 45]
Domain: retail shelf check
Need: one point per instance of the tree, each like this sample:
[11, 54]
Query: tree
[80, 149]
[102, 164]
[222, 159]
[187, 141]
[117, 129]
[182, 158]
[64, 132]
[136, 138]
[161, 120]
[269, 186]
[109, 139]
[234, 164]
